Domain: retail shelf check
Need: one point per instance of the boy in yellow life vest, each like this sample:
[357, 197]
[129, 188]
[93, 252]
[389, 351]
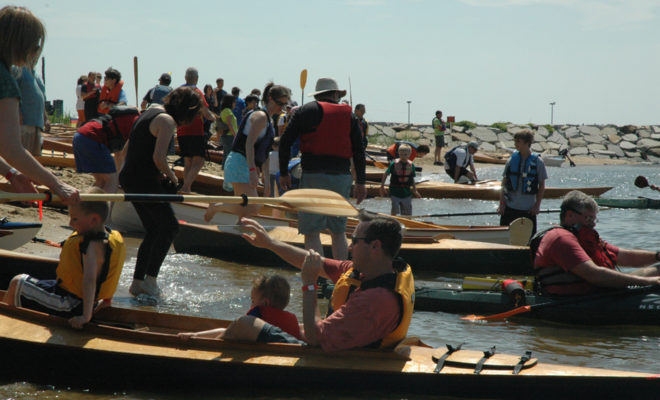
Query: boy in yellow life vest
[87, 274]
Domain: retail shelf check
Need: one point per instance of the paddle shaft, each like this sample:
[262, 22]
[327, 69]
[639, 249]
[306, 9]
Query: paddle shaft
[546, 211]
[376, 162]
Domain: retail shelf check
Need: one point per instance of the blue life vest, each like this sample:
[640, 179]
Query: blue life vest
[261, 146]
[530, 179]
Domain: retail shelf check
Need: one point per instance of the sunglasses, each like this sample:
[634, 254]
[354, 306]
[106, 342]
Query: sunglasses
[281, 103]
[588, 218]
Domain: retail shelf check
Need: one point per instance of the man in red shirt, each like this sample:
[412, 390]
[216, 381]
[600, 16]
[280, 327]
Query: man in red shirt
[573, 260]
[191, 139]
[376, 314]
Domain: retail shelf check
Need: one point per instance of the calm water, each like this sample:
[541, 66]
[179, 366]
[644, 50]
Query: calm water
[206, 287]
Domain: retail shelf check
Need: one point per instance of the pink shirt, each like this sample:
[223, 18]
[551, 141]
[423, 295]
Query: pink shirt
[367, 316]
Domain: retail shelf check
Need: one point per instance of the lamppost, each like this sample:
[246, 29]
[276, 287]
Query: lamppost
[552, 112]
[409, 101]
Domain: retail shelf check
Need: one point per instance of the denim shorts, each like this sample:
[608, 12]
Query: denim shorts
[236, 168]
[339, 183]
[91, 156]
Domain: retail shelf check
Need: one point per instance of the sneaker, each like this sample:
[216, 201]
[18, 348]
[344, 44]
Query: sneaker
[136, 287]
[150, 286]
[437, 163]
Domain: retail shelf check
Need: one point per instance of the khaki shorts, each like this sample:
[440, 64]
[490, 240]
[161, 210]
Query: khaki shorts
[31, 139]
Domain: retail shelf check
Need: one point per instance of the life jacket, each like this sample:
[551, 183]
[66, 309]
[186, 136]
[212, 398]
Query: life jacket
[402, 174]
[286, 321]
[333, 135]
[261, 146]
[441, 127]
[529, 173]
[70, 267]
[401, 283]
[117, 124]
[592, 244]
[109, 96]
[450, 157]
[393, 150]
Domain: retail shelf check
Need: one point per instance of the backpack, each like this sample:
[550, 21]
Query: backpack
[117, 125]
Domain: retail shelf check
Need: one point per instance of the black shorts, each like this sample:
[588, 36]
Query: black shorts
[439, 140]
[192, 146]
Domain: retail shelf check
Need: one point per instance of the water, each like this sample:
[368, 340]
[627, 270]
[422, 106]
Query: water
[201, 286]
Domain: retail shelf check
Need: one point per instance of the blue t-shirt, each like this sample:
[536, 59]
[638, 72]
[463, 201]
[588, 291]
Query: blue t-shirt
[33, 98]
[8, 85]
[238, 110]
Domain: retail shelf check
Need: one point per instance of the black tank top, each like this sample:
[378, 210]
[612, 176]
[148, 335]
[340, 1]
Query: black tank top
[139, 167]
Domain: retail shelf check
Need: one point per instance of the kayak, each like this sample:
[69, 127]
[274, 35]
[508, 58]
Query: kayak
[640, 202]
[634, 307]
[13, 263]
[127, 349]
[484, 190]
[15, 234]
[442, 255]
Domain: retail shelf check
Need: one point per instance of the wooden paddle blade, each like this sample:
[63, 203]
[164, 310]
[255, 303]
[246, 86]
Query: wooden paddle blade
[503, 315]
[520, 230]
[641, 182]
[319, 201]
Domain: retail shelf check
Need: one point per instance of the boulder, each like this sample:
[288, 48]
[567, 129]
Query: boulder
[542, 131]
[656, 128]
[630, 137]
[627, 146]
[647, 144]
[608, 130]
[389, 132]
[537, 148]
[487, 147]
[614, 138]
[643, 133]
[408, 134]
[427, 131]
[504, 136]
[616, 150]
[550, 146]
[507, 144]
[577, 142]
[458, 128]
[579, 151]
[633, 154]
[595, 147]
[654, 151]
[513, 129]
[557, 138]
[484, 134]
[460, 137]
[589, 130]
[571, 132]
[593, 139]
[629, 128]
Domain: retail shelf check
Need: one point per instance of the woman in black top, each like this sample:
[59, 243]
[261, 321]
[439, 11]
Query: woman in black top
[146, 171]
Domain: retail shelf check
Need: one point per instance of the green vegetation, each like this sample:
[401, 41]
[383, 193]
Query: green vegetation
[549, 127]
[466, 124]
[500, 125]
[60, 119]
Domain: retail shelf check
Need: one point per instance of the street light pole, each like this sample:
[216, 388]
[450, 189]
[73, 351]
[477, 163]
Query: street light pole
[409, 101]
[552, 112]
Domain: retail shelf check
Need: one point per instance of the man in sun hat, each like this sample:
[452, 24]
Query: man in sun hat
[330, 137]
[458, 159]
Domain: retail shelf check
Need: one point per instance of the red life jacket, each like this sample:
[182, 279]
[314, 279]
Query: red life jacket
[393, 151]
[109, 96]
[402, 174]
[333, 135]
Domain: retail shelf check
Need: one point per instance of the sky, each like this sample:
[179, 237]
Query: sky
[484, 61]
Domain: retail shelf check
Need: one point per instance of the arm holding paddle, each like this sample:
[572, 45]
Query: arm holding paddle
[609, 278]
[18, 181]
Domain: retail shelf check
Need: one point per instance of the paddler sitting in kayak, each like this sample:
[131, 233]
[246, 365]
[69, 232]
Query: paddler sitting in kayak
[373, 307]
[571, 259]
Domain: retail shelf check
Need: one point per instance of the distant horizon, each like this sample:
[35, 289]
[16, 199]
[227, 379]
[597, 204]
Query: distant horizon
[479, 60]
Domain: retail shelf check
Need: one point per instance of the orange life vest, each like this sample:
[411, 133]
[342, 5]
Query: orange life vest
[110, 96]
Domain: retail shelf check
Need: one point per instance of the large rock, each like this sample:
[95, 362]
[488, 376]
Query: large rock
[633, 154]
[614, 138]
[629, 128]
[389, 132]
[504, 136]
[616, 150]
[557, 138]
[550, 145]
[593, 139]
[579, 151]
[571, 132]
[630, 137]
[654, 151]
[627, 146]
[656, 128]
[484, 134]
[542, 131]
[647, 144]
[513, 129]
[487, 147]
[408, 134]
[537, 148]
[595, 147]
[461, 137]
[427, 131]
[643, 133]
[577, 142]
[608, 130]
[507, 144]
[589, 130]
[458, 128]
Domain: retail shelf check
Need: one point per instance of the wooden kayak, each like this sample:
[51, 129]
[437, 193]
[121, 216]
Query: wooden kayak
[13, 263]
[620, 307]
[128, 349]
[58, 144]
[443, 255]
[486, 190]
[490, 159]
[57, 159]
[15, 234]
[640, 202]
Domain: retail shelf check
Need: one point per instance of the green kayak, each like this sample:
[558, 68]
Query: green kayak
[640, 202]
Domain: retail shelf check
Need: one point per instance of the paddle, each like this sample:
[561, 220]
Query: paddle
[376, 163]
[316, 201]
[303, 82]
[564, 153]
[135, 73]
[476, 213]
[642, 182]
[572, 300]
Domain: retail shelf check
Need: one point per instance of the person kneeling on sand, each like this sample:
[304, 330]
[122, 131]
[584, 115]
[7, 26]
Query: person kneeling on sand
[270, 296]
[88, 272]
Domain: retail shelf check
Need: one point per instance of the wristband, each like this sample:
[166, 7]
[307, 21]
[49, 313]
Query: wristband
[12, 171]
[657, 255]
[309, 288]
[252, 169]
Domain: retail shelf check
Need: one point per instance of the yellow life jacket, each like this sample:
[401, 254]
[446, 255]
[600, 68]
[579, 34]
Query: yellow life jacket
[70, 268]
[404, 286]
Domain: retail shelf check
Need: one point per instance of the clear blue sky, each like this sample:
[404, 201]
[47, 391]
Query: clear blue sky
[479, 60]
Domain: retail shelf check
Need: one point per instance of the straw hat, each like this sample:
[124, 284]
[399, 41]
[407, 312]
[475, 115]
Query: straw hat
[327, 85]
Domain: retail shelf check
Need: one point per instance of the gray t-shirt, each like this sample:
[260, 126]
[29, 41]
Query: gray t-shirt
[522, 201]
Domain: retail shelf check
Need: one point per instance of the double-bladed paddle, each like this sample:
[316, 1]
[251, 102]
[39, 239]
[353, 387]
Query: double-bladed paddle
[572, 300]
[315, 201]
